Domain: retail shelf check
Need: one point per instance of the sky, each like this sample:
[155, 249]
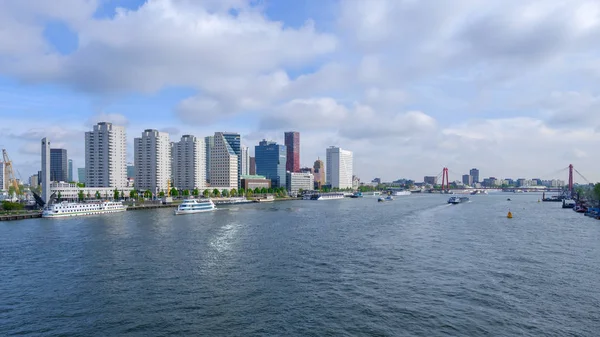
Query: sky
[509, 86]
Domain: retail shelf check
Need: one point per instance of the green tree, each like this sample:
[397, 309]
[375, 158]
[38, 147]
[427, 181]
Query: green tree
[206, 193]
[12, 191]
[216, 193]
[82, 185]
[225, 193]
[147, 194]
[596, 191]
[12, 206]
[249, 193]
[59, 196]
[133, 194]
[116, 194]
[174, 192]
[80, 195]
[122, 194]
[195, 192]
[161, 194]
[270, 190]
[233, 192]
[241, 192]
[257, 190]
[263, 190]
[186, 193]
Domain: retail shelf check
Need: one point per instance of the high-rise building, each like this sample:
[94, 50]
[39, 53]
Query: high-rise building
[105, 156]
[319, 173]
[70, 168]
[339, 167]
[467, 179]
[235, 142]
[209, 142]
[245, 161]
[58, 165]
[188, 163]
[45, 170]
[475, 174]
[271, 161]
[292, 144]
[81, 175]
[252, 168]
[224, 162]
[130, 170]
[152, 161]
[33, 181]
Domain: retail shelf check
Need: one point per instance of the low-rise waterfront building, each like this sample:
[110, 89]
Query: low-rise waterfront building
[70, 191]
[297, 181]
[250, 182]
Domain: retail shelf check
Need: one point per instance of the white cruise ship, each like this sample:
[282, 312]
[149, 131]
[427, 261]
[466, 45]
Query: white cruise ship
[327, 196]
[66, 209]
[189, 206]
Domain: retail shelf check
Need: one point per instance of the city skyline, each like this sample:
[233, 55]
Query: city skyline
[434, 98]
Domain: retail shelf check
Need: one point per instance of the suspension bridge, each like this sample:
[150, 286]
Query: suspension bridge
[568, 188]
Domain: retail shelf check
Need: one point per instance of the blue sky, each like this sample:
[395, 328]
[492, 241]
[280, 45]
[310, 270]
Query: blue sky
[409, 87]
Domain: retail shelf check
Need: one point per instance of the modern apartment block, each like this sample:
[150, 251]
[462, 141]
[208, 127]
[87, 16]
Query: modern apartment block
[339, 167]
[70, 170]
[152, 161]
[467, 179]
[252, 168]
[292, 144]
[430, 180]
[245, 161]
[299, 181]
[105, 156]
[58, 165]
[188, 163]
[271, 162]
[81, 175]
[224, 161]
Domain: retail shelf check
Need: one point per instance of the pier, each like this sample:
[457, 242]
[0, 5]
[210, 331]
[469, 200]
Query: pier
[20, 216]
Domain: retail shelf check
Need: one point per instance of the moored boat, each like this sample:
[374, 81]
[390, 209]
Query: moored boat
[67, 209]
[190, 206]
[327, 196]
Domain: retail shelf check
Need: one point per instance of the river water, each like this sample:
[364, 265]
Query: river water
[354, 267]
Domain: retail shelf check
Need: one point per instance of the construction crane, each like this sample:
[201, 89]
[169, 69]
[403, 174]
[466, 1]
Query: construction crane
[10, 173]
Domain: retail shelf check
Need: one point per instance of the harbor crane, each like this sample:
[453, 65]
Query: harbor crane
[9, 173]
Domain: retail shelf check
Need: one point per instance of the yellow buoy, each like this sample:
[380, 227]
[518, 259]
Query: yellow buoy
[509, 215]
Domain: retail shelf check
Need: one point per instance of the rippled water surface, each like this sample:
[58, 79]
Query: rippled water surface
[412, 267]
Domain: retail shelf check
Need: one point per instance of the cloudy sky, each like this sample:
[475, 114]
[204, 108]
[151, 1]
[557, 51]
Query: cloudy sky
[508, 86]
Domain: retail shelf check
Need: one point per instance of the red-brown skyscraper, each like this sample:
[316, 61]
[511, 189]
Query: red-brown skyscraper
[292, 143]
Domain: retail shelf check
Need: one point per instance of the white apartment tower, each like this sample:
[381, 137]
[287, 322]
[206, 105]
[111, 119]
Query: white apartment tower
[245, 161]
[339, 167]
[188, 163]
[46, 170]
[105, 156]
[223, 164]
[152, 154]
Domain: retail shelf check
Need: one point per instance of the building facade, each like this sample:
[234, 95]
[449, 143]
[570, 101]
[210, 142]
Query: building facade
[430, 180]
[70, 192]
[45, 180]
[58, 165]
[467, 179]
[271, 160]
[319, 172]
[339, 167]
[33, 181]
[152, 153]
[224, 163]
[3, 180]
[292, 145]
[130, 170]
[70, 172]
[81, 175]
[474, 173]
[252, 167]
[245, 161]
[250, 182]
[105, 156]
[188, 163]
[209, 143]
[297, 181]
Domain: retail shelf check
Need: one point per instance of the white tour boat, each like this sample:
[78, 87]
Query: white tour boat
[66, 209]
[400, 193]
[327, 196]
[189, 206]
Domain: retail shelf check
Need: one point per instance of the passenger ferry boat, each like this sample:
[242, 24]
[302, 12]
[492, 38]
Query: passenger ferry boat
[189, 206]
[67, 209]
[327, 196]
[401, 193]
[457, 200]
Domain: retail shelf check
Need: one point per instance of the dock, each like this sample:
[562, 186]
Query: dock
[20, 216]
[150, 206]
